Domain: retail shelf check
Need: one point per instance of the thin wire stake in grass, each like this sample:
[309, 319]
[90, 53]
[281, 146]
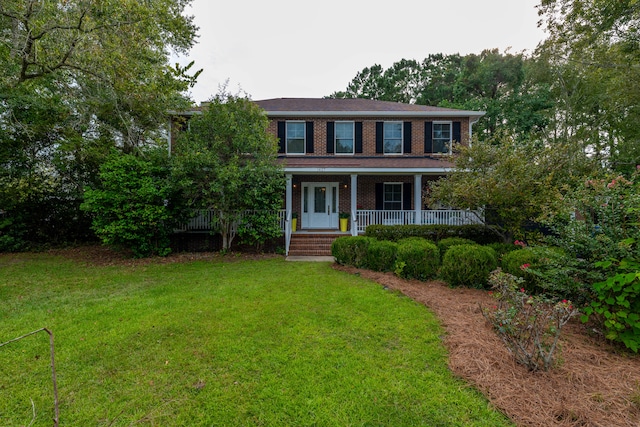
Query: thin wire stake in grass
[53, 369]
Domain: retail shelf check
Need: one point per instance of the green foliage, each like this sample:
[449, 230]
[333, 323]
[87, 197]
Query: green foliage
[503, 248]
[478, 233]
[226, 161]
[132, 207]
[518, 263]
[420, 258]
[617, 302]
[529, 326]
[78, 79]
[468, 265]
[351, 250]
[381, 255]
[549, 271]
[447, 242]
[499, 83]
[591, 52]
[516, 181]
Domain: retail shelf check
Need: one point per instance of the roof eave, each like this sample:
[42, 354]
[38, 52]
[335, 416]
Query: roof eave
[364, 170]
[445, 113]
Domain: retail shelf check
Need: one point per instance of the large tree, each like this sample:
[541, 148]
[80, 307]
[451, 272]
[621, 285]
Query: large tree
[593, 52]
[515, 181]
[78, 78]
[499, 83]
[226, 162]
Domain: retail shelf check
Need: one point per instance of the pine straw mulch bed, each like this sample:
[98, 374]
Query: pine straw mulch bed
[593, 385]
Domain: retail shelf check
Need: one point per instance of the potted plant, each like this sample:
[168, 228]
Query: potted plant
[344, 221]
[294, 221]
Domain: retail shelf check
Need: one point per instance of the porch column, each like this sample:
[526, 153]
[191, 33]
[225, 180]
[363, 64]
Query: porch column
[417, 197]
[354, 204]
[288, 201]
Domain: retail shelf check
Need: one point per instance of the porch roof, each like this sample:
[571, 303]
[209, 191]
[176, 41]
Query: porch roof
[369, 165]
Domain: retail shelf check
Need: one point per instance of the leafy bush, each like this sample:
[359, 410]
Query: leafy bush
[381, 255]
[480, 234]
[529, 326]
[517, 263]
[548, 270]
[446, 243]
[617, 302]
[418, 257]
[351, 250]
[503, 248]
[468, 265]
[132, 207]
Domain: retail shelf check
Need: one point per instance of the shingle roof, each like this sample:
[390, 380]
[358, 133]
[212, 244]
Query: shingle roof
[354, 105]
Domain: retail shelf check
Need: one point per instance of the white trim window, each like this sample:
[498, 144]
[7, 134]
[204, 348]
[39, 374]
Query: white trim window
[295, 137]
[392, 196]
[392, 138]
[344, 138]
[442, 132]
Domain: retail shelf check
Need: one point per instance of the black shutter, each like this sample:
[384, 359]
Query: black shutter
[406, 196]
[281, 136]
[358, 137]
[379, 137]
[379, 196]
[407, 137]
[309, 137]
[428, 137]
[331, 128]
[456, 133]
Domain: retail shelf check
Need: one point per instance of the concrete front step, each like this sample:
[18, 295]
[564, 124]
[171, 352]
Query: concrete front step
[307, 244]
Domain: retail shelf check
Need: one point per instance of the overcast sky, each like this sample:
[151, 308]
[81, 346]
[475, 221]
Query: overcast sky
[296, 48]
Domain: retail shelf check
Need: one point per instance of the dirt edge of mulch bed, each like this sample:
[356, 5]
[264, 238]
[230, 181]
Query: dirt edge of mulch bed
[593, 385]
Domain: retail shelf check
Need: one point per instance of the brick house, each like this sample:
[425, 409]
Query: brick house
[368, 160]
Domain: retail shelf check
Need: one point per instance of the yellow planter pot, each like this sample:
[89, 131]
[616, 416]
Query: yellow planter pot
[294, 224]
[344, 224]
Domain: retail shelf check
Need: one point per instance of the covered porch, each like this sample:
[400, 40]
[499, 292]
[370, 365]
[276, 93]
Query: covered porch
[315, 202]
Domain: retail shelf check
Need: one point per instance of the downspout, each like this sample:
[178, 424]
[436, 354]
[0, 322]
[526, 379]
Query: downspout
[471, 123]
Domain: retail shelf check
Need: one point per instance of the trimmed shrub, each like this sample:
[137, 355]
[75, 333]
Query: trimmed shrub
[351, 250]
[417, 259]
[550, 271]
[381, 255]
[480, 234]
[503, 248]
[517, 263]
[447, 242]
[468, 265]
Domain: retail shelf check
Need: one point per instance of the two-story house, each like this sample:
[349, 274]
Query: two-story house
[365, 159]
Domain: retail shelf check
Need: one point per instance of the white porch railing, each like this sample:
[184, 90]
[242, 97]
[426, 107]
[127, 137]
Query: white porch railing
[453, 217]
[202, 221]
[448, 217]
[364, 218]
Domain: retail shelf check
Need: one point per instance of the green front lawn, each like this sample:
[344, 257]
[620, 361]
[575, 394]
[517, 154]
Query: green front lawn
[218, 343]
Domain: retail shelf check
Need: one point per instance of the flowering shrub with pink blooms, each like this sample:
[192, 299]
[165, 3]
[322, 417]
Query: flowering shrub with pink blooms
[530, 326]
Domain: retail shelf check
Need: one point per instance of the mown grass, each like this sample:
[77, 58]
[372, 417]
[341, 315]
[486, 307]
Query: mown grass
[219, 343]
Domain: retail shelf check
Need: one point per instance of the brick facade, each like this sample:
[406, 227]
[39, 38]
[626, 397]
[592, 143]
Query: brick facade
[369, 132]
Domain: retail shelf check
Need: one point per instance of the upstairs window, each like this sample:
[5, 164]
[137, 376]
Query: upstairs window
[344, 137]
[295, 137]
[392, 138]
[442, 137]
